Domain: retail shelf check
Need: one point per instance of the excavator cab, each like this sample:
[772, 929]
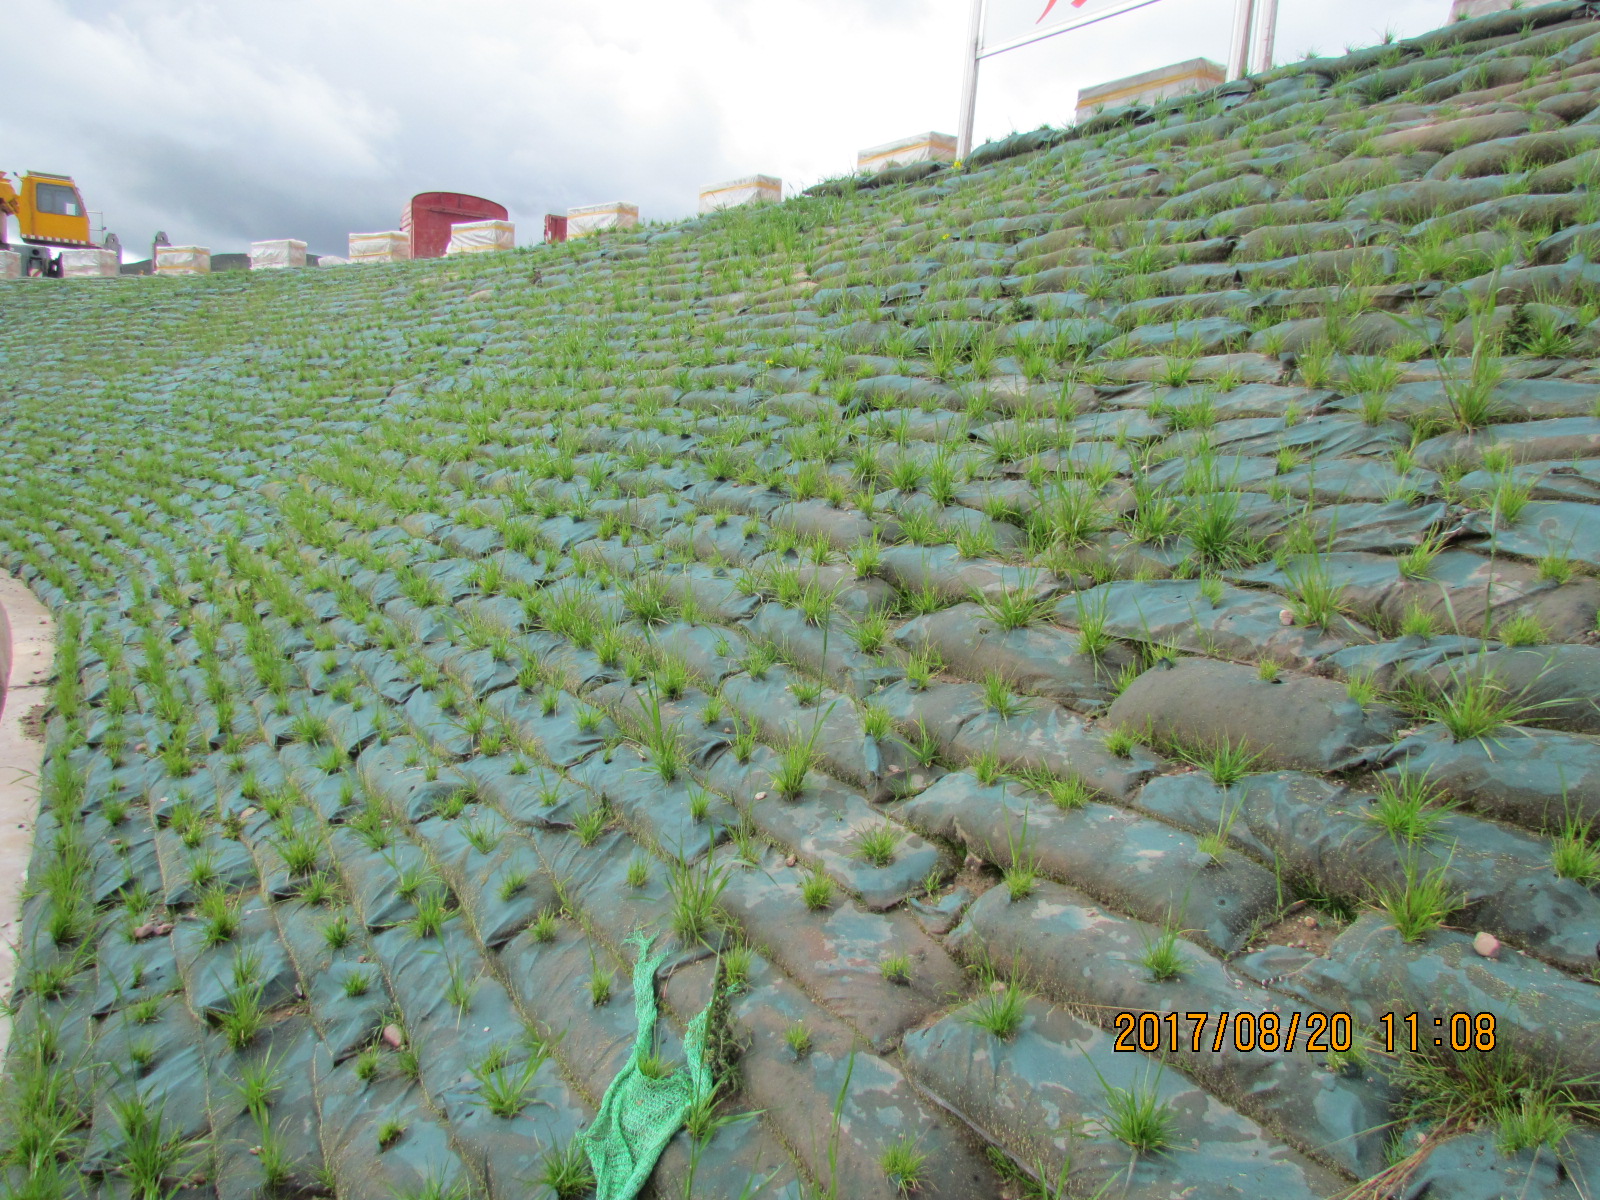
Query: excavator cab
[50, 212]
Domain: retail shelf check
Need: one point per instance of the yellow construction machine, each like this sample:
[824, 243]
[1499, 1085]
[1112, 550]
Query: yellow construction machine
[50, 213]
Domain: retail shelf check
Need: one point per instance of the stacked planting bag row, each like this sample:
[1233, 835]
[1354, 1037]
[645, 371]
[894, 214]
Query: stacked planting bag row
[1149, 570]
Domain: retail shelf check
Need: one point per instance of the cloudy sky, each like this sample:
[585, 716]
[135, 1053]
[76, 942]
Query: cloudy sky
[230, 121]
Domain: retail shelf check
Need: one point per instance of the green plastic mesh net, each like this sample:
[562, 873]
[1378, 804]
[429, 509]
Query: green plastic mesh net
[639, 1115]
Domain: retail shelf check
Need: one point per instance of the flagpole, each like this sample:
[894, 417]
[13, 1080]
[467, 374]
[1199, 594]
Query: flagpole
[969, 83]
[1243, 22]
[1267, 37]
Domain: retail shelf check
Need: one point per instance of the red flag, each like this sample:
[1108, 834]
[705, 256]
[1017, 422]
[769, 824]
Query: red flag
[1052, 4]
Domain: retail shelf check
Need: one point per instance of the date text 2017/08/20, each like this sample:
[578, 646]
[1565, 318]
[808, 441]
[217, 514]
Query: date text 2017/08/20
[1272, 1033]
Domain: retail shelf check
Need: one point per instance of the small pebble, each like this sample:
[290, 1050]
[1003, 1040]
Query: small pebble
[1309, 923]
[1285, 617]
[1487, 945]
[972, 862]
[790, 861]
[393, 1037]
[997, 987]
[761, 795]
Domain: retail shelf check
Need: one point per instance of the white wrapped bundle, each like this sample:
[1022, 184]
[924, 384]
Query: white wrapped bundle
[593, 218]
[752, 189]
[919, 147]
[481, 237]
[389, 245]
[277, 254]
[10, 264]
[1150, 87]
[90, 264]
[332, 260]
[183, 260]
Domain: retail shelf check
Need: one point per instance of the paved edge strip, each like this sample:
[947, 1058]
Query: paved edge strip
[33, 646]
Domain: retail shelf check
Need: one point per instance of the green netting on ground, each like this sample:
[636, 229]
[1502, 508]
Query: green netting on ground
[638, 1114]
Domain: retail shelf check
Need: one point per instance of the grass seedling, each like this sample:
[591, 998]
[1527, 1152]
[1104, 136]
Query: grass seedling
[1418, 621]
[798, 1038]
[902, 1162]
[390, 1132]
[1417, 562]
[638, 873]
[896, 968]
[924, 747]
[816, 889]
[1021, 873]
[219, 914]
[1093, 637]
[1574, 854]
[1120, 741]
[696, 892]
[795, 763]
[244, 1016]
[656, 1066]
[1407, 807]
[999, 1012]
[1422, 902]
[590, 824]
[600, 982]
[506, 1091]
[1529, 1103]
[1137, 1116]
[736, 964]
[1362, 687]
[877, 845]
[152, 1159]
[544, 928]
[999, 697]
[1162, 958]
[257, 1085]
[336, 933]
[1226, 762]
[1014, 608]
[1315, 599]
[1474, 703]
[432, 912]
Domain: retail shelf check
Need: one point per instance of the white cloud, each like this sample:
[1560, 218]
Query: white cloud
[221, 123]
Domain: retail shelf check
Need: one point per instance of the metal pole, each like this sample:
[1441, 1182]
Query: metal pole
[969, 82]
[1243, 21]
[1267, 34]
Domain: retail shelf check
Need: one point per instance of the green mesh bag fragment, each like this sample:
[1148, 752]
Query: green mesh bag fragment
[639, 1115]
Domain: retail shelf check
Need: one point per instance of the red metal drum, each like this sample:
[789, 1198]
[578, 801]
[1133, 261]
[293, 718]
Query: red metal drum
[427, 219]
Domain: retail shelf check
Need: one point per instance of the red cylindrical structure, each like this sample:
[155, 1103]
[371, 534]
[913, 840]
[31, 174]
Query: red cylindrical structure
[555, 228]
[427, 219]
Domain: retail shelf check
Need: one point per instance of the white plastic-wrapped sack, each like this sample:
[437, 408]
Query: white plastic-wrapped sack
[752, 189]
[277, 254]
[1150, 87]
[183, 260]
[593, 218]
[481, 237]
[389, 245]
[10, 264]
[90, 264]
[919, 147]
[332, 260]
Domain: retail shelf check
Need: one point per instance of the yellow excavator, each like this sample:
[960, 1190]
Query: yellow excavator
[50, 213]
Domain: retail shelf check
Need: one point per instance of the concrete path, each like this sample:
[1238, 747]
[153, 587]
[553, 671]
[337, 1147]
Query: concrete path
[33, 646]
